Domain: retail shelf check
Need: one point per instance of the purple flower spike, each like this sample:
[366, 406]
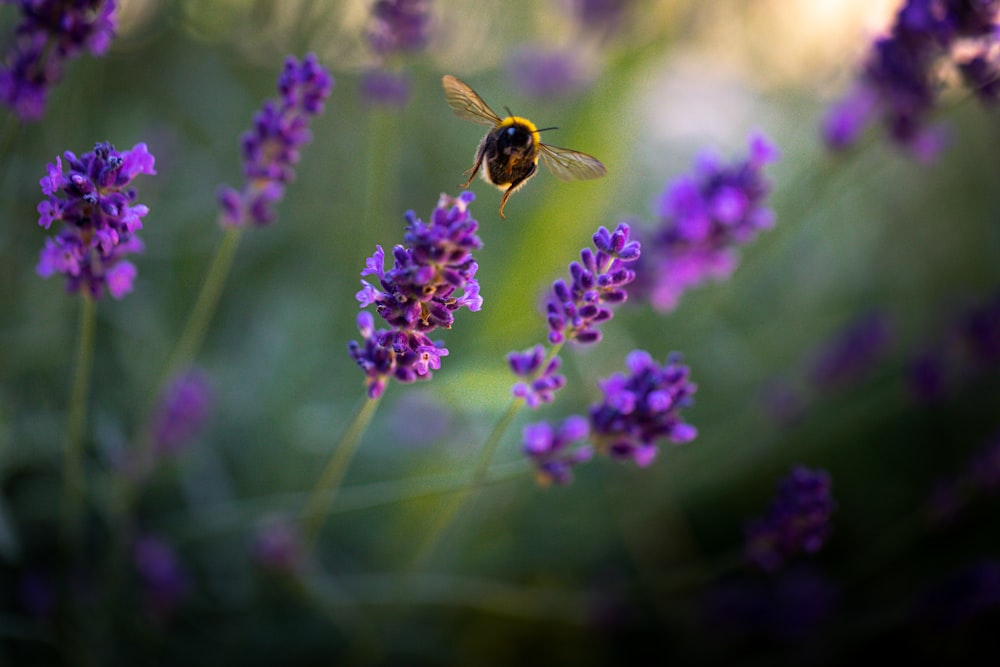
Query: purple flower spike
[399, 26]
[96, 206]
[642, 408]
[550, 449]
[797, 521]
[545, 73]
[597, 281]
[852, 352]
[703, 218]
[541, 383]
[271, 148]
[395, 27]
[183, 412]
[433, 275]
[899, 82]
[51, 33]
[163, 582]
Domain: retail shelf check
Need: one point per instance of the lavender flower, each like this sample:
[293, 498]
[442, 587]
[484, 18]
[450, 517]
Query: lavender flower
[395, 27]
[99, 216]
[541, 72]
[381, 87]
[271, 148]
[163, 582]
[433, 276]
[399, 26]
[641, 408]
[540, 382]
[702, 218]
[852, 352]
[899, 81]
[277, 545]
[968, 347]
[598, 281]
[549, 449]
[797, 521]
[51, 32]
[182, 413]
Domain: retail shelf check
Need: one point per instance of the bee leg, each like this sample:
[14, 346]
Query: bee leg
[514, 186]
[474, 170]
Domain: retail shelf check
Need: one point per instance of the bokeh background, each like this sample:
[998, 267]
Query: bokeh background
[623, 562]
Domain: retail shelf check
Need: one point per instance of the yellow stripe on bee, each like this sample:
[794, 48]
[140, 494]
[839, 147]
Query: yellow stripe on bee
[513, 121]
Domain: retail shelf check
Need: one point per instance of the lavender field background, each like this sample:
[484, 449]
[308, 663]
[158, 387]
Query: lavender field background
[824, 480]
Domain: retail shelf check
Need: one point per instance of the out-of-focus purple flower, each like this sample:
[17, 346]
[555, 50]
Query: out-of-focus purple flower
[702, 218]
[433, 275]
[899, 80]
[271, 148]
[163, 582]
[541, 382]
[968, 347]
[399, 26]
[380, 87]
[542, 73]
[852, 352]
[642, 408]
[50, 33]
[183, 410]
[963, 596]
[599, 16]
[797, 521]
[550, 449]
[395, 27]
[96, 206]
[597, 282]
[277, 546]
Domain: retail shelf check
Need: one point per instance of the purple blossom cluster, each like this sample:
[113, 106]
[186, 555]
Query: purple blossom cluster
[852, 352]
[643, 407]
[551, 450]
[597, 282]
[639, 410]
[100, 218]
[163, 583]
[433, 275]
[541, 381]
[395, 27]
[543, 72]
[271, 147]
[182, 412]
[797, 521]
[968, 347]
[399, 26]
[51, 32]
[899, 82]
[702, 218]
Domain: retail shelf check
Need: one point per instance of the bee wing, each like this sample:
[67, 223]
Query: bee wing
[466, 103]
[569, 165]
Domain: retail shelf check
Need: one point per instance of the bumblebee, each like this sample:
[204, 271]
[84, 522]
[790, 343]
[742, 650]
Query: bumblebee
[509, 153]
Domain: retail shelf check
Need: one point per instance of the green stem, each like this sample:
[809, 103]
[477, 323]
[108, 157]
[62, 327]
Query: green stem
[204, 308]
[447, 517]
[315, 509]
[74, 479]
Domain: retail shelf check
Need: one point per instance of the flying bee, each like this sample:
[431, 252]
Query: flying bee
[508, 155]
